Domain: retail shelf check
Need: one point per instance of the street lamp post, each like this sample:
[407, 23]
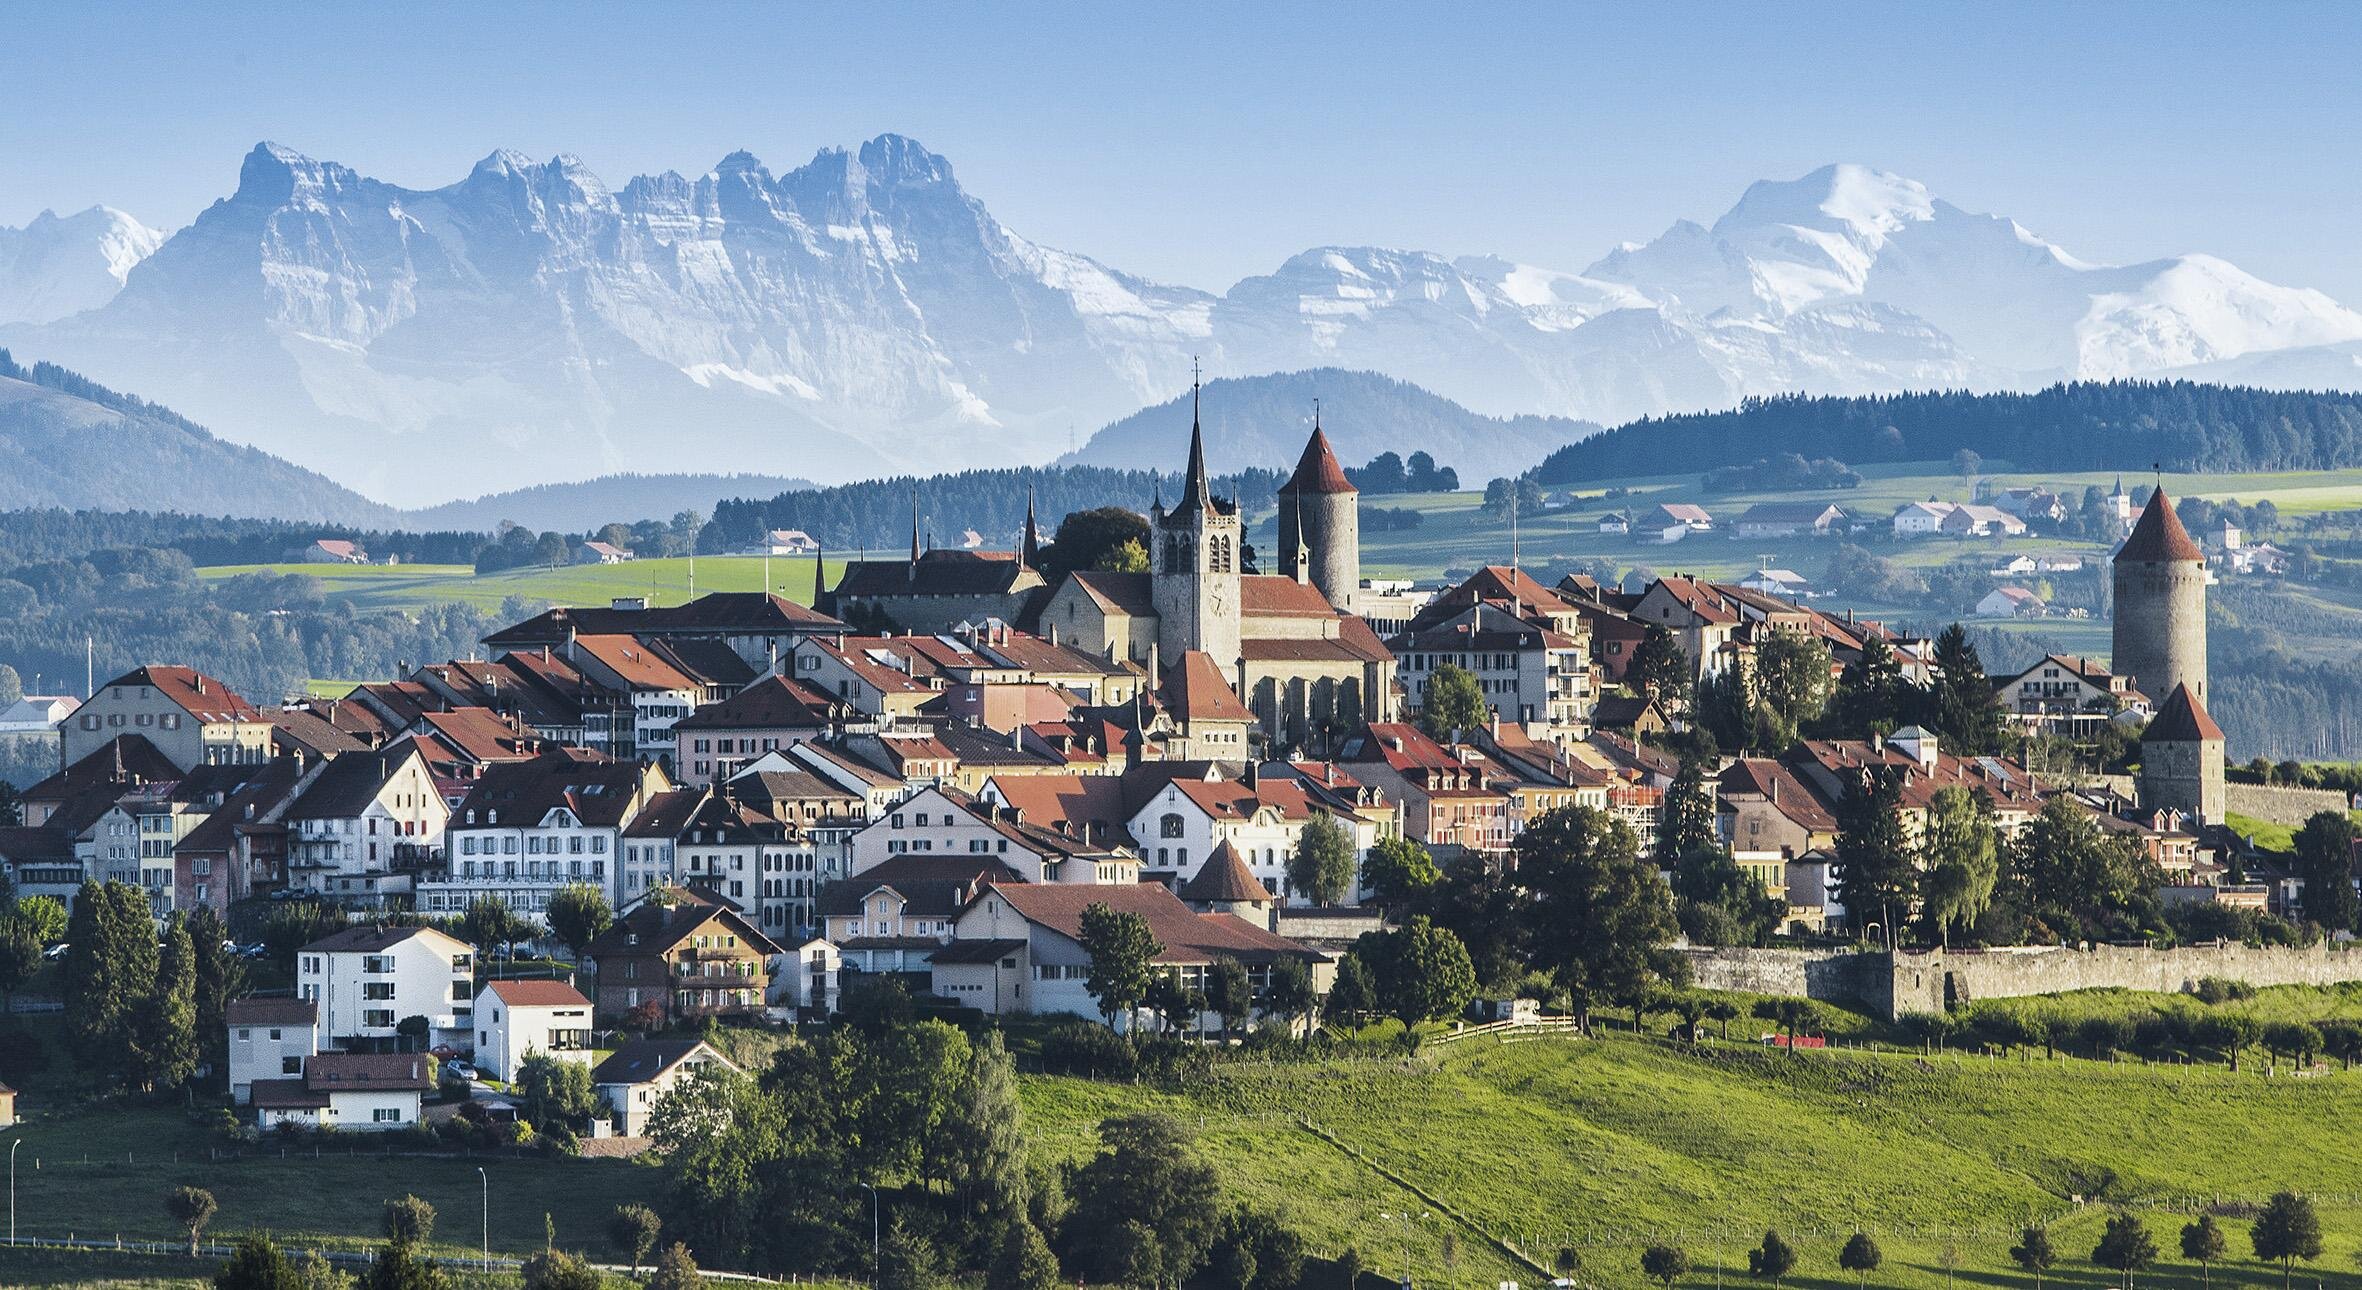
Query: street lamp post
[486, 1181]
[1406, 1219]
[12, 1189]
[873, 1232]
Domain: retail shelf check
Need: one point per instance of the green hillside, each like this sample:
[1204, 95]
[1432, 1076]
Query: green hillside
[1611, 1145]
[663, 582]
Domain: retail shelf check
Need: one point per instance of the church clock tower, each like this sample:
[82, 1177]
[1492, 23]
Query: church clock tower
[1194, 565]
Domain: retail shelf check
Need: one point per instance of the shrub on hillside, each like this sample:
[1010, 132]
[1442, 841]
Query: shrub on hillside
[1078, 1047]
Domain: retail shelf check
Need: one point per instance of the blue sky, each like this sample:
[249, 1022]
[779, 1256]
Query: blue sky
[1201, 143]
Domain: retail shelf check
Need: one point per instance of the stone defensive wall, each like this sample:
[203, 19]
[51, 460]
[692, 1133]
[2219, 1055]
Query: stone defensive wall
[1929, 981]
[2279, 804]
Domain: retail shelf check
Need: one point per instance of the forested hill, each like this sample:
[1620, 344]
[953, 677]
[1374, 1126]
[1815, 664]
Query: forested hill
[1264, 420]
[69, 442]
[2122, 425]
[583, 506]
[876, 513]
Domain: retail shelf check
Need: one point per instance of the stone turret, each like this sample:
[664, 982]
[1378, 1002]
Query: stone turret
[2160, 628]
[2182, 760]
[1320, 523]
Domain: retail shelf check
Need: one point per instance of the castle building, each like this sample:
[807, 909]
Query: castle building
[2182, 760]
[2160, 641]
[1310, 671]
[1320, 523]
[939, 590]
[2160, 585]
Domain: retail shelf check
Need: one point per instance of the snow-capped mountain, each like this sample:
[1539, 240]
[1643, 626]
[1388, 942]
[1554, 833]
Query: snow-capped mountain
[863, 314]
[57, 266]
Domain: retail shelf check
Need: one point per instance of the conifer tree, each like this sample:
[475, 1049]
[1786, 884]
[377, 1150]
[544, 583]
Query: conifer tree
[167, 1030]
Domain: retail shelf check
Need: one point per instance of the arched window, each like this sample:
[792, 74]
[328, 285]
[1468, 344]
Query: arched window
[1169, 826]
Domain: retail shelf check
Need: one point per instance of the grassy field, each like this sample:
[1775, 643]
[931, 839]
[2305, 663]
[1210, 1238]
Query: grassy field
[663, 582]
[1605, 1145]
[1610, 1145]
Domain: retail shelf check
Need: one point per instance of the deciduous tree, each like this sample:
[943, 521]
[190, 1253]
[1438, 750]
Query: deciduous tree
[2203, 1244]
[1398, 871]
[257, 1263]
[2286, 1230]
[192, 1208]
[1122, 951]
[578, 912]
[1664, 1264]
[1860, 1256]
[1960, 857]
[2033, 1252]
[2126, 1246]
[1453, 702]
[409, 1221]
[1771, 1260]
[1602, 915]
[1148, 1174]
[1660, 667]
[1421, 972]
[633, 1229]
[1321, 870]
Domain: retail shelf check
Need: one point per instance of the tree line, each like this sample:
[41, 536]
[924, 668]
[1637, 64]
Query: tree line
[2116, 425]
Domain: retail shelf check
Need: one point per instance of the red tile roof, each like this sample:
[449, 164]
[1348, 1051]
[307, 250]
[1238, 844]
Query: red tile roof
[1195, 691]
[1187, 937]
[1317, 470]
[2183, 719]
[2158, 536]
[195, 693]
[538, 994]
[1266, 594]
[1225, 879]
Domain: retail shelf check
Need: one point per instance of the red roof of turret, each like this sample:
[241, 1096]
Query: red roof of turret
[2158, 536]
[2182, 720]
[1317, 470]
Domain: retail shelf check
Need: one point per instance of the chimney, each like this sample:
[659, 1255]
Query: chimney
[1775, 792]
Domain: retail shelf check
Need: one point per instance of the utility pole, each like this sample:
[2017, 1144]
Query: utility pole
[874, 1269]
[486, 1180]
[12, 1189]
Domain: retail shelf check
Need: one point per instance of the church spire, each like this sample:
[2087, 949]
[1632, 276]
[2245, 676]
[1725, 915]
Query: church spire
[1031, 548]
[914, 533]
[1196, 493]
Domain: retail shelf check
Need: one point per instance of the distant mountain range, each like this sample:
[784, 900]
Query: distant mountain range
[1264, 420]
[68, 444]
[863, 315]
[584, 506]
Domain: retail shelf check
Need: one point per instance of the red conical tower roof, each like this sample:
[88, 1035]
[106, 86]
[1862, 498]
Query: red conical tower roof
[1317, 470]
[2158, 536]
[2182, 720]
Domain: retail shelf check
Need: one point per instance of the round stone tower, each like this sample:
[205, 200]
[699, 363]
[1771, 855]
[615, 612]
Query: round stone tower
[1320, 523]
[2160, 583]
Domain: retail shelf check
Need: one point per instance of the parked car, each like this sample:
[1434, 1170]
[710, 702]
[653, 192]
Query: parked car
[56, 952]
[462, 1070]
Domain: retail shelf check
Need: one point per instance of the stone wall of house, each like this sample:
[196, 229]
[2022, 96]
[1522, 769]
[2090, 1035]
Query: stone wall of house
[1931, 980]
[2281, 805]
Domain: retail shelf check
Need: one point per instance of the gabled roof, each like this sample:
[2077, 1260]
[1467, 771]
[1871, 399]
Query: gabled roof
[1187, 936]
[1194, 690]
[537, 994]
[1225, 879]
[651, 928]
[720, 613]
[370, 939]
[774, 702]
[639, 665]
[598, 792]
[931, 886]
[119, 760]
[1119, 593]
[643, 1060]
[2182, 719]
[366, 1072]
[195, 693]
[302, 730]
[937, 573]
[272, 1012]
[1079, 800]
[1264, 595]
[2158, 536]
[479, 736]
[346, 786]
